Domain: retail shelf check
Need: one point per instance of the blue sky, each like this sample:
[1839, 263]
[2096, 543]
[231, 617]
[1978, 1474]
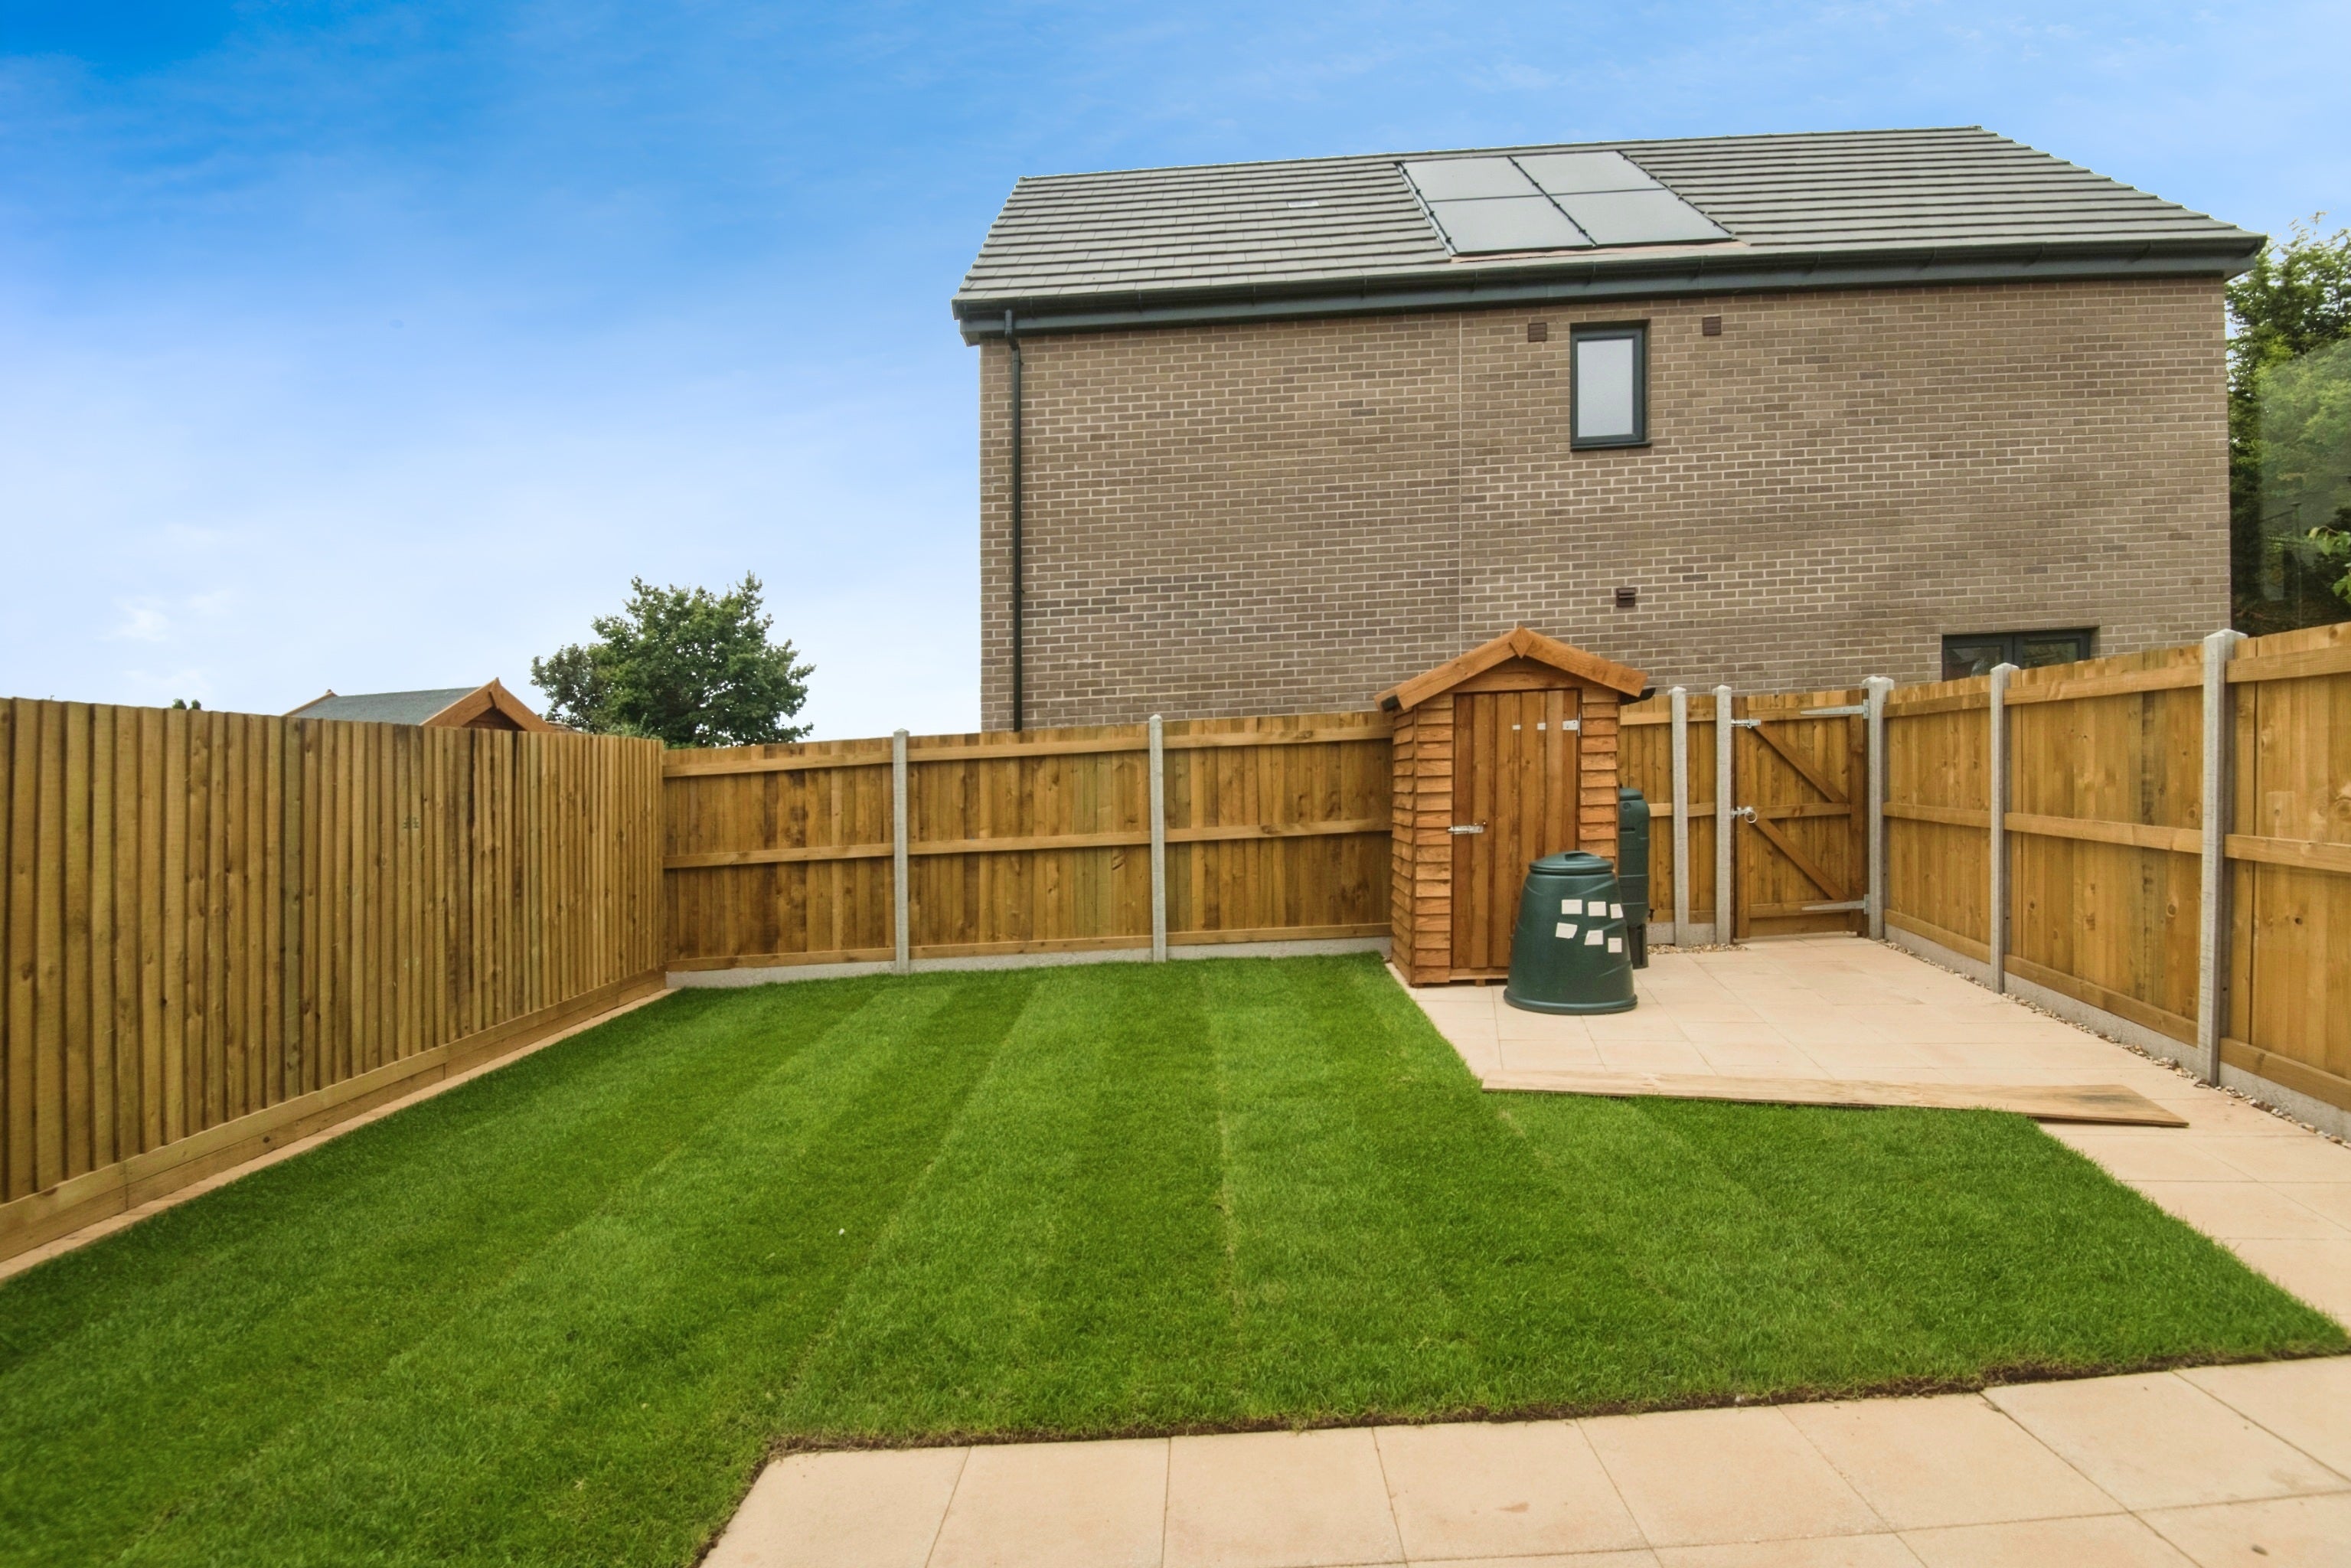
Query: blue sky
[378, 346]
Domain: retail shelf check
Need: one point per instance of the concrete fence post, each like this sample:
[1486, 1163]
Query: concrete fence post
[1159, 840]
[1876, 689]
[1723, 926]
[1996, 914]
[902, 961]
[1678, 700]
[2213, 820]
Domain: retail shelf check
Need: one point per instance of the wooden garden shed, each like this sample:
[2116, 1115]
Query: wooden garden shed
[1503, 755]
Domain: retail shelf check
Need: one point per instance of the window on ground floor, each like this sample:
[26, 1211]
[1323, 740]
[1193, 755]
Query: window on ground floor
[1975, 652]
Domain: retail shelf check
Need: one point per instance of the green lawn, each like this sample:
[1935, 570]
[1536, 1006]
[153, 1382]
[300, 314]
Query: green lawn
[560, 1313]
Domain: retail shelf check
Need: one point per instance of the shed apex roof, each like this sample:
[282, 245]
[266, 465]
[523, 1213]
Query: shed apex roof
[1516, 644]
[1335, 236]
[420, 707]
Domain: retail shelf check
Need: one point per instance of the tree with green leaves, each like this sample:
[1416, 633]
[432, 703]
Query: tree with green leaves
[2290, 433]
[683, 666]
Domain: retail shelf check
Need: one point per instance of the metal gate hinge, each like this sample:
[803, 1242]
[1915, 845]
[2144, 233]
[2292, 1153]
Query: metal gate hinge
[1850, 710]
[1836, 908]
[1746, 724]
[1467, 828]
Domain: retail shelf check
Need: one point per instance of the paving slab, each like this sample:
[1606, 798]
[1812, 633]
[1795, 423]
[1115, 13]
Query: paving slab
[876, 1510]
[1703, 1477]
[2285, 1532]
[2118, 1541]
[2158, 1441]
[1956, 1459]
[2305, 1402]
[1279, 1500]
[1836, 1551]
[1508, 1489]
[1058, 1505]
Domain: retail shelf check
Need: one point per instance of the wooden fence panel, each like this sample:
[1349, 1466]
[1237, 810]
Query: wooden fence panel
[1039, 841]
[1938, 814]
[1091, 888]
[2289, 853]
[2104, 805]
[223, 930]
[778, 864]
[1282, 840]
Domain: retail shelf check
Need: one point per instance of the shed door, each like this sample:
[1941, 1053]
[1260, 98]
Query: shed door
[1514, 775]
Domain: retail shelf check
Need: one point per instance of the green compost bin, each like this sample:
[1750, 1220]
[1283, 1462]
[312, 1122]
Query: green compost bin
[1633, 870]
[1569, 955]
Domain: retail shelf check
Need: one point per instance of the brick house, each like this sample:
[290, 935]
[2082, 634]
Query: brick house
[1781, 411]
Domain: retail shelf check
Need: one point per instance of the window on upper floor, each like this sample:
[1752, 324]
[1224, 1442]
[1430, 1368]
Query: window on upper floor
[1975, 652]
[1608, 393]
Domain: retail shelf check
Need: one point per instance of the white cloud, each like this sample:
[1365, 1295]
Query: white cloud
[143, 621]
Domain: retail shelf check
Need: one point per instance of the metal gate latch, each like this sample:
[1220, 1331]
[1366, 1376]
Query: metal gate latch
[1744, 813]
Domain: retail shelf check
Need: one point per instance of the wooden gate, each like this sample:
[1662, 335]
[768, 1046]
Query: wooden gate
[1515, 789]
[1798, 777]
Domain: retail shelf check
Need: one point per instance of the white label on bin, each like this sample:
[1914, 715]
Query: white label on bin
[1594, 938]
[1571, 906]
[1615, 911]
[1566, 928]
[1616, 944]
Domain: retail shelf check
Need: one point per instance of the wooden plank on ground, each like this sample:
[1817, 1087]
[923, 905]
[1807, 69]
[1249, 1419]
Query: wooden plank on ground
[2104, 1103]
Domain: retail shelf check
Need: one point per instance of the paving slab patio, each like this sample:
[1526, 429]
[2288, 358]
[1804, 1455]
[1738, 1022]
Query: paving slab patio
[2198, 1466]
[2204, 1466]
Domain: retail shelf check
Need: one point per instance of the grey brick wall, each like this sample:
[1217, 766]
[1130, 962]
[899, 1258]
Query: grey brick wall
[1288, 517]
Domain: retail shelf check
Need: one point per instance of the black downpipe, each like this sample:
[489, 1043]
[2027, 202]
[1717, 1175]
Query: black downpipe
[1019, 630]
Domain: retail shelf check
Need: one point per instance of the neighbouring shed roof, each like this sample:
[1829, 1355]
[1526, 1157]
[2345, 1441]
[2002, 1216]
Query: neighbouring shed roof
[1351, 235]
[381, 707]
[486, 706]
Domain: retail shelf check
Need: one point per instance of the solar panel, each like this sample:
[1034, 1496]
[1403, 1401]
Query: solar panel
[1465, 178]
[1553, 200]
[1640, 217]
[1507, 223]
[1566, 173]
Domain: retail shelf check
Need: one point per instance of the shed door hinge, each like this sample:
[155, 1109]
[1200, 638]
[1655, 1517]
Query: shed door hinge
[1467, 828]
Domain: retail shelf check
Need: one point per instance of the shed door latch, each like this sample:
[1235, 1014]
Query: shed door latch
[1467, 828]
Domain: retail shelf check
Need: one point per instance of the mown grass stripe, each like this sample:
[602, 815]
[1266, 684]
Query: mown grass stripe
[316, 1273]
[595, 1417]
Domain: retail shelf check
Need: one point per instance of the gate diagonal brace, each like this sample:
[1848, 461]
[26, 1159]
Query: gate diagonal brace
[1798, 859]
[1812, 775]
